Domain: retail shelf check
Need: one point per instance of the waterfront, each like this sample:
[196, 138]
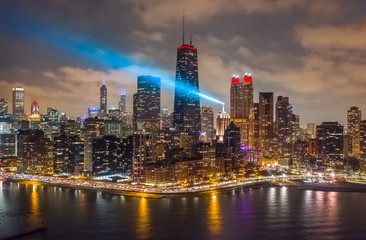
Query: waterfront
[267, 213]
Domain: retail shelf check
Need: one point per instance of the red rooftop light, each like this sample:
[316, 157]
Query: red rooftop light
[248, 79]
[235, 80]
[185, 46]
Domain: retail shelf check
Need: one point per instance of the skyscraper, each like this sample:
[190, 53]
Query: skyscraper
[186, 100]
[18, 103]
[222, 122]
[353, 125]
[363, 146]
[103, 100]
[3, 106]
[265, 113]
[329, 138]
[35, 107]
[146, 104]
[122, 102]
[241, 108]
[207, 122]
[283, 126]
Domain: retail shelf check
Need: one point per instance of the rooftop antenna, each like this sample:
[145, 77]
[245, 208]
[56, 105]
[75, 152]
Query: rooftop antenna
[103, 80]
[223, 107]
[183, 26]
[190, 33]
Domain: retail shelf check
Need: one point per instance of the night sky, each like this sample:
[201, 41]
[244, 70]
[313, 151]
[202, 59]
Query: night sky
[312, 51]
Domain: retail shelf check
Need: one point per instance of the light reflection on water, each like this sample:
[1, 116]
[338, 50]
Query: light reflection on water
[214, 215]
[143, 219]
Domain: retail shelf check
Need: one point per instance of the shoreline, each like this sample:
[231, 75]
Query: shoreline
[150, 194]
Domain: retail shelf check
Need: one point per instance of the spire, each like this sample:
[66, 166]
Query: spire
[183, 26]
[190, 33]
[103, 78]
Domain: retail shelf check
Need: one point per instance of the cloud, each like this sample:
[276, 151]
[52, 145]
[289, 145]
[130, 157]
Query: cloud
[348, 37]
[162, 13]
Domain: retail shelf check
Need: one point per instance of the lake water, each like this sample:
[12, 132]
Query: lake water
[240, 213]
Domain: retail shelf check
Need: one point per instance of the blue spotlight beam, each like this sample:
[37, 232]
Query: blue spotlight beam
[19, 24]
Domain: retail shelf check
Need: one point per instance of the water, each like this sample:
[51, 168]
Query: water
[268, 213]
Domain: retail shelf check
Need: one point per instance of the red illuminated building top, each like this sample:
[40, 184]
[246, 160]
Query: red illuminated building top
[187, 47]
[248, 79]
[235, 80]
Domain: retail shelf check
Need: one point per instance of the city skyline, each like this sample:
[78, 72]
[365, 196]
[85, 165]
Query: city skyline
[298, 51]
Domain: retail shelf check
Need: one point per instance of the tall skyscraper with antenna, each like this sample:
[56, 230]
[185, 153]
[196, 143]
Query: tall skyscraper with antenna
[186, 101]
[103, 100]
[122, 102]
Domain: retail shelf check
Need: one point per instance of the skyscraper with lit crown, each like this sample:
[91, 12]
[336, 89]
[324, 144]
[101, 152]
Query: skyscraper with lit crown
[186, 99]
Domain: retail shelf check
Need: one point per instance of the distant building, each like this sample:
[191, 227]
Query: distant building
[363, 146]
[3, 106]
[18, 103]
[8, 145]
[93, 112]
[146, 104]
[122, 102]
[241, 108]
[103, 100]
[207, 123]
[222, 122]
[311, 130]
[353, 127]
[265, 113]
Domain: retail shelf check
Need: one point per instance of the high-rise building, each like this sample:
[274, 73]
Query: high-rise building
[363, 146]
[166, 118]
[186, 99]
[222, 122]
[8, 145]
[68, 154]
[207, 123]
[329, 139]
[311, 130]
[3, 106]
[265, 114]
[18, 103]
[35, 153]
[93, 128]
[241, 108]
[107, 156]
[144, 145]
[103, 101]
[93, 112]
[283, 126]
[122, 102]
[146, 104]
[353, 127]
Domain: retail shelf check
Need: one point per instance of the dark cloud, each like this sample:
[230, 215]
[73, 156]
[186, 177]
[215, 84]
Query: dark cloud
[312, 51]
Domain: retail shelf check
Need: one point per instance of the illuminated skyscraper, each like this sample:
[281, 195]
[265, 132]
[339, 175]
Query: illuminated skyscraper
[222, 122]
[265, 113]
[3, 106]
[329, 139]
[146, 104]
[103, 100]
[363, 146]
[186, 101]
[122, 102]
[35, 107]
[18, 103]
[353, 125]
[241, 108]
[207, 122]
[283, 126]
